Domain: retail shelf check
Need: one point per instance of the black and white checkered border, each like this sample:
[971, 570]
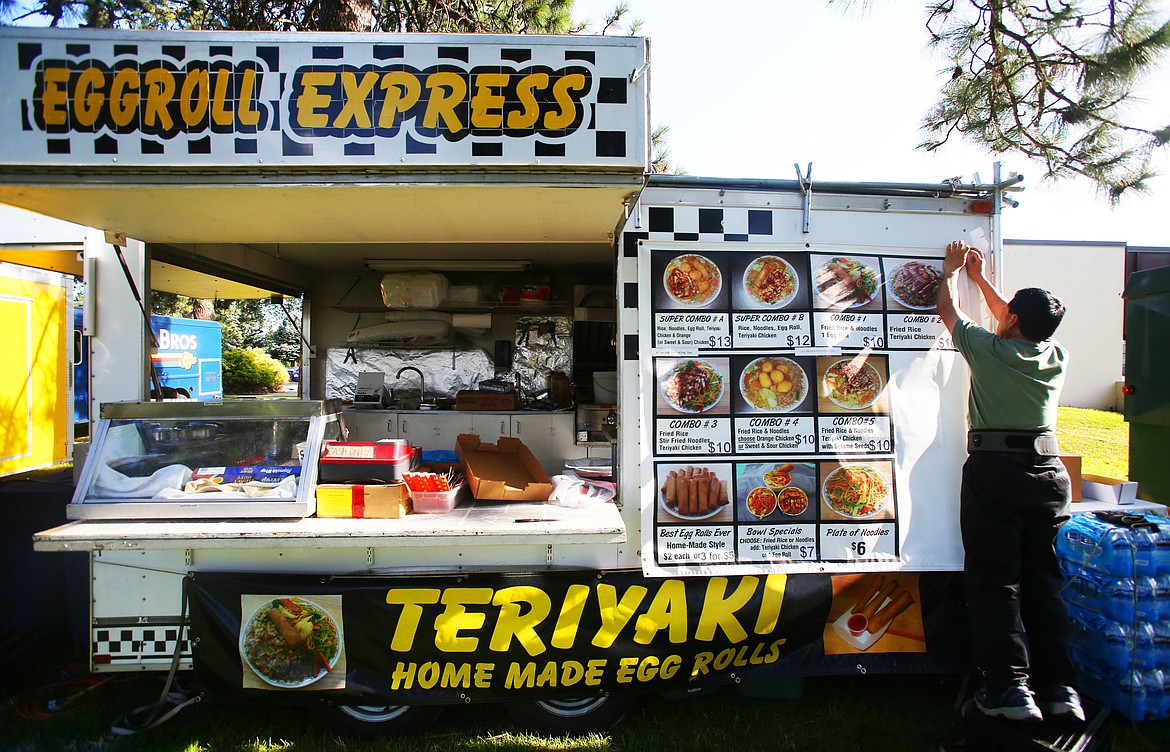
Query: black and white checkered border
[606, 116]
[702, 224]
[150, 643]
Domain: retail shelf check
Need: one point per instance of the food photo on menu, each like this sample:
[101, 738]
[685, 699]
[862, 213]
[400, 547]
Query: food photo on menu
[913, 284]
[690, 281]
[692, 386]
[769, 282]
[857, 491]
[694, 493]
[853, 384]
[847, 282]
[772, 383]
[775, 492]
[879, 612]
[292, 642]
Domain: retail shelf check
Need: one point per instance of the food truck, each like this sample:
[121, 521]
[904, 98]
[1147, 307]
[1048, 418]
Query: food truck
[571, 433]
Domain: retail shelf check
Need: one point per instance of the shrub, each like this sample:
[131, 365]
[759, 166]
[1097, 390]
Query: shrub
[250, 369]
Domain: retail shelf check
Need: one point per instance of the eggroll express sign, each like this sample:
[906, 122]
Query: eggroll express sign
[506, 636]
[153, 101]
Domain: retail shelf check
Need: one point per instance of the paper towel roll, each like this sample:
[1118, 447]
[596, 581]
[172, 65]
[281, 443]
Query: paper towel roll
[480, 321]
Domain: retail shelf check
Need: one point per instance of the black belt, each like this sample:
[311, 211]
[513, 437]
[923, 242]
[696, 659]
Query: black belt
[1020, 442]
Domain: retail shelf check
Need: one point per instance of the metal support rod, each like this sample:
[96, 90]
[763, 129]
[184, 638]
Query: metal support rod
[805, 195]
[154, 378]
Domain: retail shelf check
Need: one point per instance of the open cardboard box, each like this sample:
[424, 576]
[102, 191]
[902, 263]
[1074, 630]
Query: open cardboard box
[1072, 463]
[505, 471]
[1102, 488]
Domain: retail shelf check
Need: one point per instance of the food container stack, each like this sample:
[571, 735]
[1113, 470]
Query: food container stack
[1117, 575]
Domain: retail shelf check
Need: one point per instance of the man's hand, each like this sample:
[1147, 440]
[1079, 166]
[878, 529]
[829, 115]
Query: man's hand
[956, 258]
[954, 261]
[975, 260]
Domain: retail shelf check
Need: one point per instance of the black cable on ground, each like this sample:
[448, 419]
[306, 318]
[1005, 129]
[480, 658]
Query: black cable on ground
[69, 695]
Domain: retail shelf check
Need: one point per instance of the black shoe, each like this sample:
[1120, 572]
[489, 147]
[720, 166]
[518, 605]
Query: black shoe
[1061, 701]
[1015, 704]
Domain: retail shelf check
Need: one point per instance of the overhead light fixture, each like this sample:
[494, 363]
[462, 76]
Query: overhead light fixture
[449, 265]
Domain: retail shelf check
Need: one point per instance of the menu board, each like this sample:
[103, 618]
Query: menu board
[770, 428]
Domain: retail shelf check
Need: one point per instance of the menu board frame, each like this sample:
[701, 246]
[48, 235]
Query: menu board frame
[742, 479]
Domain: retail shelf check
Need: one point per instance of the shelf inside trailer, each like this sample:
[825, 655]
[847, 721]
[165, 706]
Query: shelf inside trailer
[471, 523]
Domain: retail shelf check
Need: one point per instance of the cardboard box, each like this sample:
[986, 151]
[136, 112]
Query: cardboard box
[1101, 488]
[354, 461]
[474, 399]
[363, 501]
[505, 471]
[1072, 463]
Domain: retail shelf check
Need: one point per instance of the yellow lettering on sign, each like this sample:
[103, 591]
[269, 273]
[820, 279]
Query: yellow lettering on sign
[310, 100]
[55, 96]
[353, 106]
[519, 677]
[487, 104]
[220, 114]
[483, 675]
[124, 96]
[527, 117]
[562, 87]
[160, 90]
[615, 614]
[447, 90]
[594, 672]
[572, 607]
[244, 108]
[455, 619]
[773, 599]
[719, 611]
[668, 610]
[195, 97]
[512, 623]
[412, 601]
[88, 97]
[402, 91]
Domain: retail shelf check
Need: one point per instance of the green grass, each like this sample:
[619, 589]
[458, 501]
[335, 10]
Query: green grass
[1100, 437]
[892, 713]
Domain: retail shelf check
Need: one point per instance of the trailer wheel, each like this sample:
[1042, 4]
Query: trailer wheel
[369, 721]
[573, 716]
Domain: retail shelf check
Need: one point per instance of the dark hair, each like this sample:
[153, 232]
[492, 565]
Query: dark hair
[1039, 312]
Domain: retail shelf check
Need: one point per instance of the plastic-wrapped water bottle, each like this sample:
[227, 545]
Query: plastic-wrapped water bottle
[1162, 643]
[1154, 686]
[1108, 645]
[1161, 543]
[1093, 543]
[1129, 600]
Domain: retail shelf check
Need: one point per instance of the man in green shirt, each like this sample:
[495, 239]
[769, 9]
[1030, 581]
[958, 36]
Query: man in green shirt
[1014, 496]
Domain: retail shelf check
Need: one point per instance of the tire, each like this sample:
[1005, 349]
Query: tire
[572, 716]
[370, 721]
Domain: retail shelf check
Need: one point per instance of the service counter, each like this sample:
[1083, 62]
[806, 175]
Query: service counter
[472, 522]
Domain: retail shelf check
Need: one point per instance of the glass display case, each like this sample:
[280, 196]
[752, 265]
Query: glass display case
[160, 460]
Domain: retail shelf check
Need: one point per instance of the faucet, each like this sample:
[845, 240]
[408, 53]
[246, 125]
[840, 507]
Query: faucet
[422, 391]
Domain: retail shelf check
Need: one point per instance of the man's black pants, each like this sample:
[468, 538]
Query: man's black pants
[1012, 506]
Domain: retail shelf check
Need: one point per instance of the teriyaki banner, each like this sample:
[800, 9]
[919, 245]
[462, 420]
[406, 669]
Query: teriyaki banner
[245, 99]
[507, 636]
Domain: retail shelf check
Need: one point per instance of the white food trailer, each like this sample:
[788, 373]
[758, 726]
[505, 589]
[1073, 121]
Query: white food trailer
[783, 448]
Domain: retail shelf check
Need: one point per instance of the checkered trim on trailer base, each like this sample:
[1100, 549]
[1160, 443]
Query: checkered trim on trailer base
[146, 643]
